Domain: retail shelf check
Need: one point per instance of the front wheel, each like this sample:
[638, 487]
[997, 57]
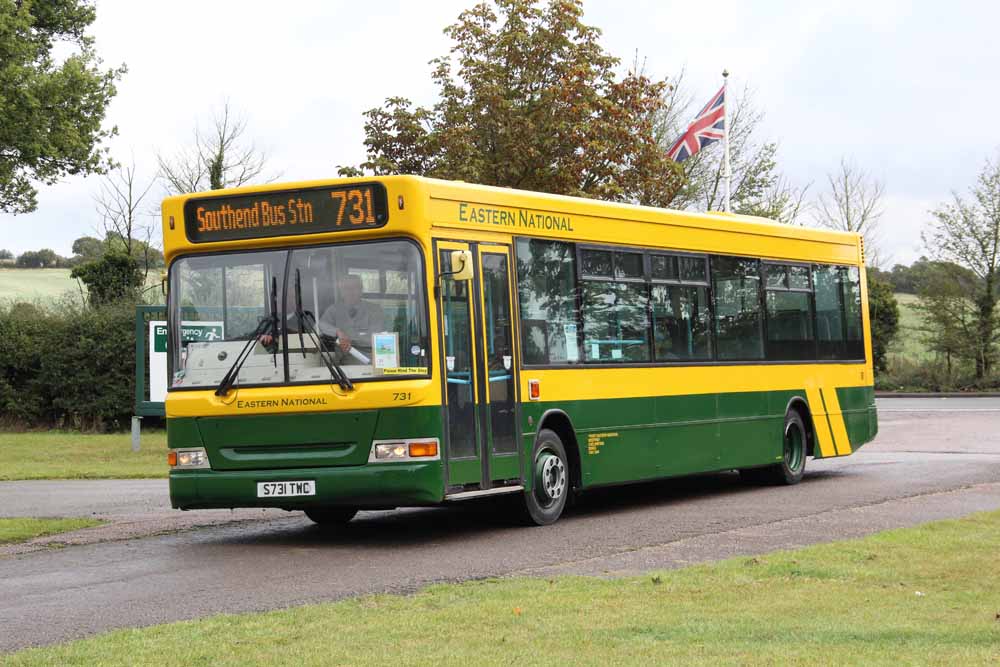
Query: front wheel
[545, 502]
[331, 516]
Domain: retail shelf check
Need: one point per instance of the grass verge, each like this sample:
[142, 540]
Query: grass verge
[72, 455]
[24, 529]
[925, 595]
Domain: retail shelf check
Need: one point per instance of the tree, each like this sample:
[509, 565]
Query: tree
[528, 98]
[87, 249]
[852, 204]
[51, 112]
[220, 158]
[126, 225]
[46, 258]
[883, 314]
[114, 277]
[757, 186]
[947, 313]
[6, 254]
[967, 232]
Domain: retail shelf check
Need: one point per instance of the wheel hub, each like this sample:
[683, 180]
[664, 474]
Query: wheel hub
[794, 454]
[550, 475]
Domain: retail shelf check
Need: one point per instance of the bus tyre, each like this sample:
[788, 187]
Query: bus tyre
[545, 502]
[331, 516]
[793, 456]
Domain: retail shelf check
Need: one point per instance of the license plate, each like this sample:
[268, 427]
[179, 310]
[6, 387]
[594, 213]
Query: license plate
[285, 489]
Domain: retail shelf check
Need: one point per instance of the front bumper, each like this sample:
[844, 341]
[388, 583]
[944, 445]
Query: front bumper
[382, 485]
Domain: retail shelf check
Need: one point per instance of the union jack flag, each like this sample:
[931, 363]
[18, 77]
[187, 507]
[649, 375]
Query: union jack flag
[708, 127]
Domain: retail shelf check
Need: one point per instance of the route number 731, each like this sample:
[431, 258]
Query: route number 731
[402, 395]
[360, 204]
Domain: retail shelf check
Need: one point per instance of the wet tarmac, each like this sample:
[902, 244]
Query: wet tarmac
[934, 458]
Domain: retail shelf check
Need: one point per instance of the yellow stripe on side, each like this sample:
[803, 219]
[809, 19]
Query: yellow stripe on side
[827, 448]
[836, 419]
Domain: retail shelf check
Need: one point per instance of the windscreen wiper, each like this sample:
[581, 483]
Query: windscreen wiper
[269, 322]
[307, 321]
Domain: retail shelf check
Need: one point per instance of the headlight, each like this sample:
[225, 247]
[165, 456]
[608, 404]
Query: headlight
[393, 450]
[411, 449]
[188, 458]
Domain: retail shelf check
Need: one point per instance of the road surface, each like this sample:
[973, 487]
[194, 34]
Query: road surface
[934, 458]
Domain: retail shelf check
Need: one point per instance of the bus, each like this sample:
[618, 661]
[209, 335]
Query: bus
[402, 341]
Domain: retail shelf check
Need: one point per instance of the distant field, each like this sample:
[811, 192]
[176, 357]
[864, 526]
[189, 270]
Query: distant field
[36, 284]
[908, 343]
[49, 285]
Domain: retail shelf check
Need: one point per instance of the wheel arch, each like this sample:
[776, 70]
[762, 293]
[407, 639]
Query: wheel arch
[559, 422]
[799, 405]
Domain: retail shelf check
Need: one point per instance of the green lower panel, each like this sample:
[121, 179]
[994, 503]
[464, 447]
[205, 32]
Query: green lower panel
[860, 418]
[372, 485]
[622, 440]
[330, 447]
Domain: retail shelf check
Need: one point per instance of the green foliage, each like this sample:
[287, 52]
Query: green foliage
[46, 258]
[948, 314]
[6, 254]
[88, 249]
[529, 99]
[910, 279]
[70, 367]
[967, 232]
[114, 277]
[883, 313]
[50, 112]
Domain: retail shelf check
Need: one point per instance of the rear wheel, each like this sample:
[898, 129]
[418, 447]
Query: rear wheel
[545, 502]
[331, 516]
[793, 456]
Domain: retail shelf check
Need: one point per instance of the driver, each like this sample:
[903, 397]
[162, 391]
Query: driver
[353, 319]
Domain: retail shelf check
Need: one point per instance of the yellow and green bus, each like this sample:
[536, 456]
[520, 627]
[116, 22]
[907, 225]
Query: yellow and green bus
[402, 341]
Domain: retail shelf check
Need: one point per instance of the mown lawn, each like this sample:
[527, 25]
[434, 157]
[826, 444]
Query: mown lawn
[23, 529]
[923, 596]
[72, 455]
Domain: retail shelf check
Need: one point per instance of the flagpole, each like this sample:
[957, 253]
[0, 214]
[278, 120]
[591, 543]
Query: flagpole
[727, 172]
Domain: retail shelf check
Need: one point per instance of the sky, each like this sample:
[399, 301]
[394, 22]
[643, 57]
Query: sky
[896, 87]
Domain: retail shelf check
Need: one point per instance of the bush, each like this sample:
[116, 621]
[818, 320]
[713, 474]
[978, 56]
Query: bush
[113, 277]
[69, 368]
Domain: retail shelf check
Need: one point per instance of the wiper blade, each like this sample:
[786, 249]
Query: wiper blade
[307, 321]
[229, 379]
[269, 322]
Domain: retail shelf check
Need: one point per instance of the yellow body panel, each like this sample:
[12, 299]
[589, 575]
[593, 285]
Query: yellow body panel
[427, 210]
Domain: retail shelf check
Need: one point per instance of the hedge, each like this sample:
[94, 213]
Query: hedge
[73, 367]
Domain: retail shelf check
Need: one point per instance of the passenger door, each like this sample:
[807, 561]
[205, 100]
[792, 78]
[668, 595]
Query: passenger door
[479, 368]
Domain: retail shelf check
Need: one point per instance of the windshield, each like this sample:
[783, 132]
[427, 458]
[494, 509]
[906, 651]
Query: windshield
[360, 304]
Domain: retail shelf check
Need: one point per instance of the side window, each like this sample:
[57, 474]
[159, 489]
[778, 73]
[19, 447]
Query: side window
[680, 323]
[736, 286]
[614, 304]
[789, 313]
[546, 279]
[830, 334]
[679, 305]
[851, 285]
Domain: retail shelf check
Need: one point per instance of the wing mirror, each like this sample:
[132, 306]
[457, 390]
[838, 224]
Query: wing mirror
[461, 263]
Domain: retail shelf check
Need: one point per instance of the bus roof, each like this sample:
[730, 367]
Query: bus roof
[417, 205]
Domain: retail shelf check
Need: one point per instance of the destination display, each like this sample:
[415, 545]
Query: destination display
[288, 212]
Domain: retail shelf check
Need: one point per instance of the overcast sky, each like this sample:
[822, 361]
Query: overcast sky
[896, 86]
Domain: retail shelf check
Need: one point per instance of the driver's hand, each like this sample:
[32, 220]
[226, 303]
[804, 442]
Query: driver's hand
[266, 339]
[343, 341]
